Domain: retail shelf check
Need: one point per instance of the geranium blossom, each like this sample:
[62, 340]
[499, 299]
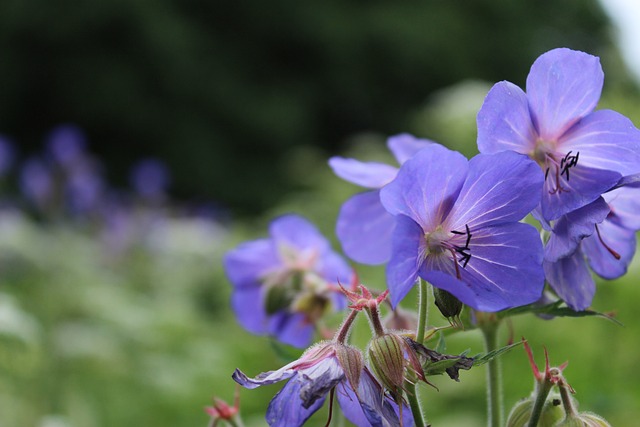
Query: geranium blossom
[284, 284]
[582, 152]
[364, 227]
[457, 227]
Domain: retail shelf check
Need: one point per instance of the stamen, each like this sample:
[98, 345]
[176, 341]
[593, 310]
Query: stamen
[615, 254]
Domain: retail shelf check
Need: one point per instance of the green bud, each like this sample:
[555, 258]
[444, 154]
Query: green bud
[351, 361]
[584, 419]
[551, 412]
[449, 306]
[387, 361]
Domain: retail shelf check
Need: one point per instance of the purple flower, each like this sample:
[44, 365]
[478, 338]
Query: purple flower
[457, 227]
[583, 152]
[150, 179]
[284, 284]
[327, 367]
[7, 154]
[607, 246]
[66, 144]
[364, 227]
[36, 182]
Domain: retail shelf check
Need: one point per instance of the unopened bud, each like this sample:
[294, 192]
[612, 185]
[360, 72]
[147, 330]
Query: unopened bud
[350, 359]
[449, 306]
[521, 413]
[584, 419]
[387, 360]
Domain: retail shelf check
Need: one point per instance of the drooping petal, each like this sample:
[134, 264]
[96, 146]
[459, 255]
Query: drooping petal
[603, 262]
[426, 186]
[625, 207]
[319, 379]
[247, 264]
[286, 409]
[296, 232]
[365, 174]
[571, 280]
[249, 307]
[291, 328]
[402, 269]
[571, 228]
[506, 260]
[499, 188]
[583, 187]
[563, 86]
[364, 228]
[504, 121]
[605, 140]
[265, 378]
[404, 146]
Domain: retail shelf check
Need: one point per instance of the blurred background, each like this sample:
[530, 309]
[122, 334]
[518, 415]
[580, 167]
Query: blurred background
[141, 140]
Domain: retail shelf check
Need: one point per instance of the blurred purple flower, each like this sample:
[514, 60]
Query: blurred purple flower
[320, 370]
[150, 179]
[36, 181]
[66, 144]
[7, 154]
[607, 249]
[364, 227]
[84, 187]
[284, 284]
[457, 227]
[583, 153]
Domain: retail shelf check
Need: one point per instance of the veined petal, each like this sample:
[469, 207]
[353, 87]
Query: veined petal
[286, 409]
[247, 264]
[625, 207]
[571, 228]
[502, 187]
[571, 280]
[426, 186]
[402, 269]
[605, 140]
[248, 305]
[601, 261]
[505, 268]
[365, 174]
[583, 187]
[404, 146]
[265, 378]
[563, 86]
[295, 231]
[504, 121]
[291, 328]
[319, 379]
[364, 228]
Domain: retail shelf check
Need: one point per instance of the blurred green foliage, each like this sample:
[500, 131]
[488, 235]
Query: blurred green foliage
[222, 90]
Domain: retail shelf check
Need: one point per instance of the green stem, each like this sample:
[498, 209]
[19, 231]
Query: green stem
[423, 310]
[414, 404]
[567, 402]
[542, 391]
[495, 402]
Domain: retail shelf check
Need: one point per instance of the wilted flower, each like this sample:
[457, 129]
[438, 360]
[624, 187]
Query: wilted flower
[327, 367]
[457, 227]
[284, 284]
[582, 152]
[364, 227]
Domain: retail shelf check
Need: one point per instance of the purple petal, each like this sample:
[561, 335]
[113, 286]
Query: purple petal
[402, 269]
[264, 378]
[295, 231]
[584, 186]
[365, 174]
[571, 228]
[571, 280]
[247, 264]
[605, 140]
[505, 269]
[364, 228]
[504, 121]
[601, 261]
[248, 305]
[286, 408]
[426, 186]
[291, 328]
[502, 187]
[333, 268]
[404, 146]
[563, 86]
[625, 207]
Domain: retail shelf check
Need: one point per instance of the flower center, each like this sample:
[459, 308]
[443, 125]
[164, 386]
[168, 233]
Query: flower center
[436, 241]
[456, 243]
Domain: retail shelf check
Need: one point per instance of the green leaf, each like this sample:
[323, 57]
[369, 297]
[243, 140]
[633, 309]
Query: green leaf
[556, 309]
[482, 358]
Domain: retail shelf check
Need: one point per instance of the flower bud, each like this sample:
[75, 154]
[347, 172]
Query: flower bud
[449, 306]
[387, 360]
[584, 419]
[551, 412]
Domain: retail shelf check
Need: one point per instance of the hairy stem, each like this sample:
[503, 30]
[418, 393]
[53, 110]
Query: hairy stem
[495, 402]
[423, 310]
[542, 391]
[414, 404]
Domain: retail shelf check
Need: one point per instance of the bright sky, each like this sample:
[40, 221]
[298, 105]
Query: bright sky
[626, 15]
